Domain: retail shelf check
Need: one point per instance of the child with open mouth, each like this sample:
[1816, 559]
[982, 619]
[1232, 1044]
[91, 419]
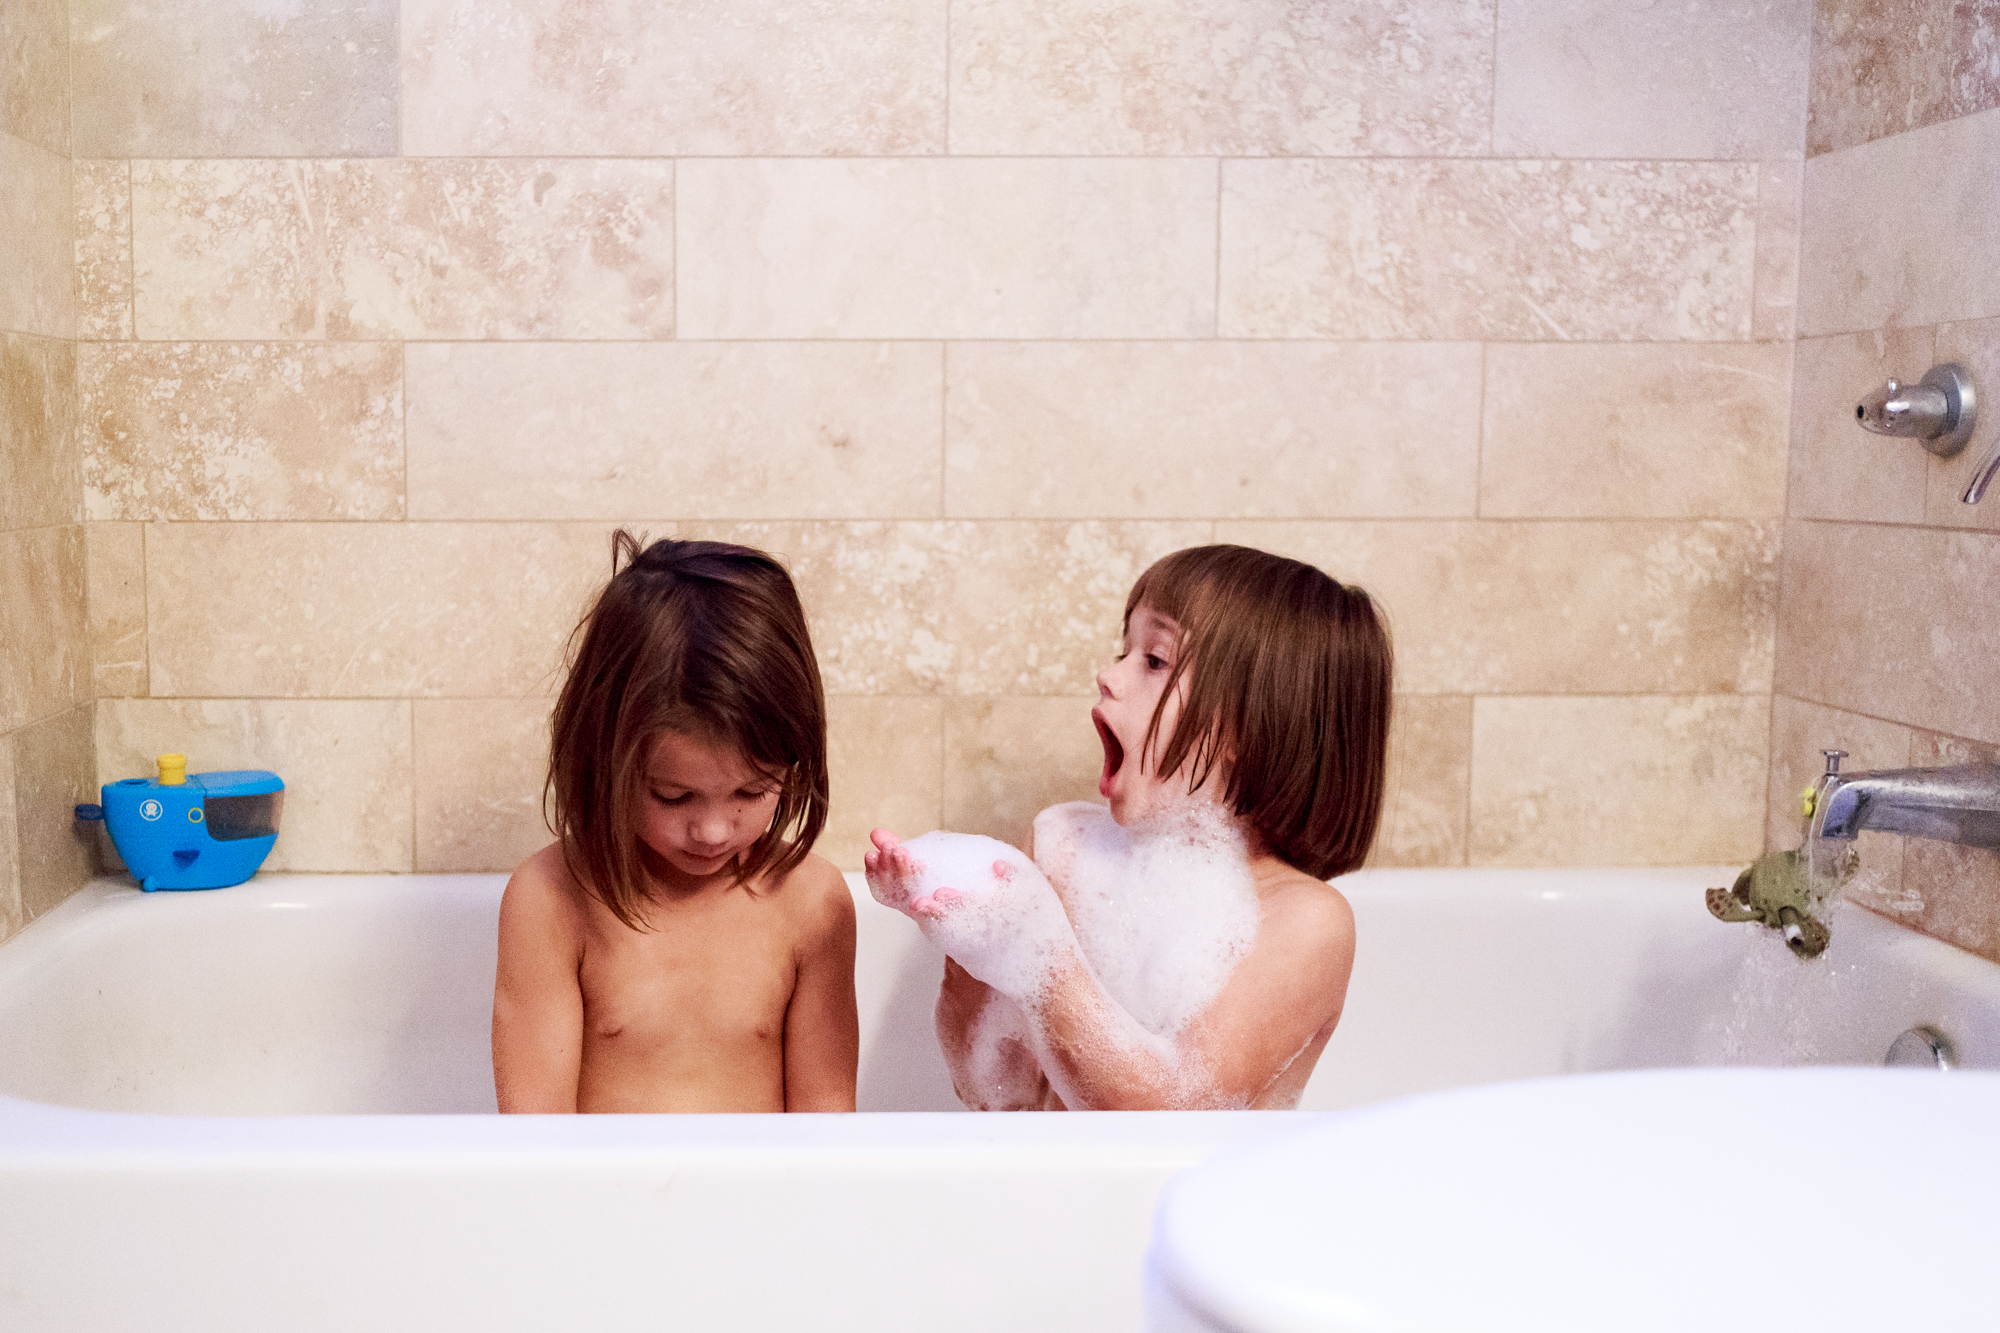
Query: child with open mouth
[1182, 948]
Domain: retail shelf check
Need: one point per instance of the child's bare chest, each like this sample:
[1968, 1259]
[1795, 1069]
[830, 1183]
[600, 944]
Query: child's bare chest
[706, 976]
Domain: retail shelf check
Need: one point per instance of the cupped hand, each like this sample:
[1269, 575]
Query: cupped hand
[984, 903]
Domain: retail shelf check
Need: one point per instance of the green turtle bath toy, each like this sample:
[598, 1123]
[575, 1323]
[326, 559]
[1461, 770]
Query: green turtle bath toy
[1777, 891]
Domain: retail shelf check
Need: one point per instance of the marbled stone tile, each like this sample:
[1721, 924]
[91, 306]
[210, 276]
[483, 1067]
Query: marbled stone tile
[1597, 430]
[1879, 67]
[1975, 58]
[962, 608]
[12, 914]
[1604, 78]
[1893, 622]
[1839, 470]
[1248, 430]
[1976, 346]
[103, 249]
[1430, 775]
[860, 78]
[116, 555]
[1893, 228]
[875, 595]
[1557, 608]
[53, 772]
[37, 278]
[1799, 731]
[45, 649]
[34, 72]
[235, 78]
[1007, 760]
[368, 610]
[1219, 78]
[346, 766]
[1951, 892]
[242, 430]
[682, 430]
[448, 248]
[479, 770]
[40, 482]
[885, 758]
[1774, 313]
[1035, 608]
[992, 248]
[1627, 781]
[1524, 250]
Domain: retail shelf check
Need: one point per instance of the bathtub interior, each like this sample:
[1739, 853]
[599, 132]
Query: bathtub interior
[302, 994]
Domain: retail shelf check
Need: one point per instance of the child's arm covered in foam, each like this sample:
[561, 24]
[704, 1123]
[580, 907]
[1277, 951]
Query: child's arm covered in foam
[1282, 997]
[537, 993]
[984, 1038]
[822, 1030]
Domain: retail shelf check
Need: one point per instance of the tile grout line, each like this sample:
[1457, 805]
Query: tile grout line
[403, 385]
[1471, 771]
[146, 606]
[1191, 155]
[1479, 447]
[412, 705]
[1215, 308]
[1044, 520]
[1090, 340]
[944, 430]
[1493, 103]
[131, 254]
[674, 241]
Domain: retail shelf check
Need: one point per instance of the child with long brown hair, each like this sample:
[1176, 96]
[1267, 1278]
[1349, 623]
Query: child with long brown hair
[678, 948]
[1182, 948]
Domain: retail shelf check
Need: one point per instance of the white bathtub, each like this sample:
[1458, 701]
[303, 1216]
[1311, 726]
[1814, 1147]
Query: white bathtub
[261, 1108]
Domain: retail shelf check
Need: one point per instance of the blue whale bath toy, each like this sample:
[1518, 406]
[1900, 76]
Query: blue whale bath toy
[186, 830]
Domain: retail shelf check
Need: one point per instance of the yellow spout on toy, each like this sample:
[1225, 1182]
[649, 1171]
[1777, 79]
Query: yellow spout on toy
[173, 770]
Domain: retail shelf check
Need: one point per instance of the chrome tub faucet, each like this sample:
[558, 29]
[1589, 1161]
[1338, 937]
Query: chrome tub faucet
[1788, 891]
[1958, 804]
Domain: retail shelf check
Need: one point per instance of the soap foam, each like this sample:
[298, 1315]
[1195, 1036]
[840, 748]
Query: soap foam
[1164, 911]
[1009, 932]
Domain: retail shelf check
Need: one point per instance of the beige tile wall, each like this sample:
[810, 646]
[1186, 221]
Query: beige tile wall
[1886, 640]
[969, 311]
[45, 651]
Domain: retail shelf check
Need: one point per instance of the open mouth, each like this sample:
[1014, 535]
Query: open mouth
[1114, 755]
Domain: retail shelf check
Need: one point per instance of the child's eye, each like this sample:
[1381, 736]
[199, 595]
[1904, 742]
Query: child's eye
[670, 800]
[1154, 662]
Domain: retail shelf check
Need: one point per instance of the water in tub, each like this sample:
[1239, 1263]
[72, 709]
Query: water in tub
[1162, 911]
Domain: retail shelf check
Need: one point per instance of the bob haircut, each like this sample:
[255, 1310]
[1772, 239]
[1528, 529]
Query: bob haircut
[702, 638]
[1287, 675]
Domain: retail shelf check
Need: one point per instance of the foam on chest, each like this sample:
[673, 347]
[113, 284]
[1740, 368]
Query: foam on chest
[1163, 914]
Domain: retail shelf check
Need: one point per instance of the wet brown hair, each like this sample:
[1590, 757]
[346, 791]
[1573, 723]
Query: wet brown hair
[1288, 675]
[701, 638]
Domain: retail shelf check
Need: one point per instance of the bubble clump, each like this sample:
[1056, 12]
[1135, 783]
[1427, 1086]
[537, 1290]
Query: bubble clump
[1164, 910]
[1008, 930]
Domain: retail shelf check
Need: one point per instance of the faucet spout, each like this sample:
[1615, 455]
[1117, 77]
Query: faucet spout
[1960, 804]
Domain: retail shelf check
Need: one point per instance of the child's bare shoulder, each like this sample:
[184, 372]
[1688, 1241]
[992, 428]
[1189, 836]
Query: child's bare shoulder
[1309, 910]
[818, 896]
[543, 897]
